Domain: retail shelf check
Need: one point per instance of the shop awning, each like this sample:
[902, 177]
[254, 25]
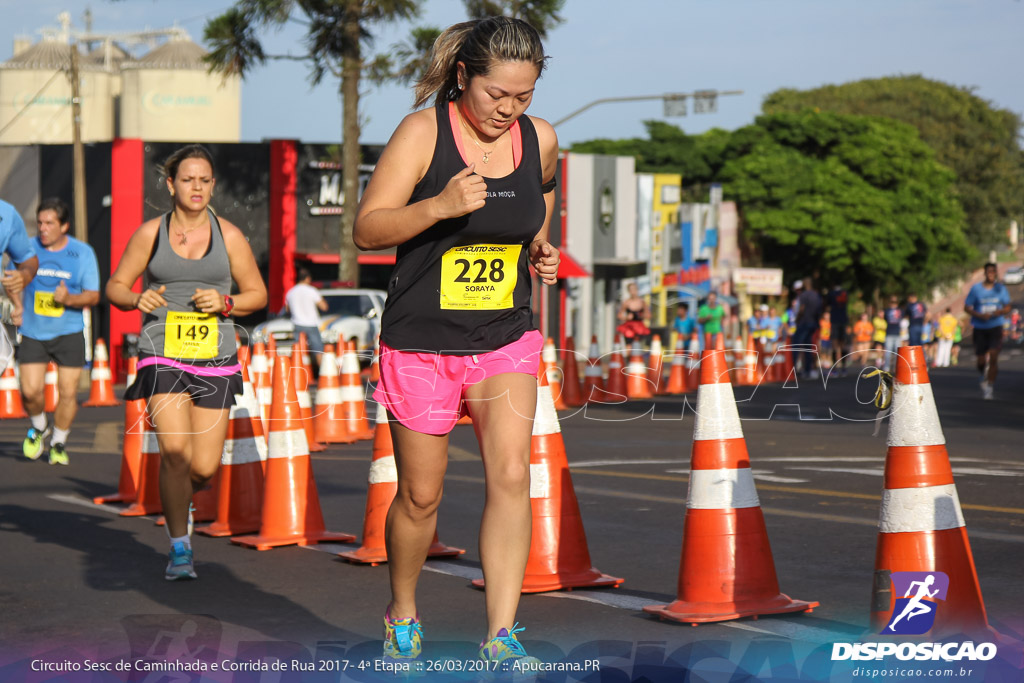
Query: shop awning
[570, 267]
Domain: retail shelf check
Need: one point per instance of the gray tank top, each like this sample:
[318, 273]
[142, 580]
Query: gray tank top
[179, 330]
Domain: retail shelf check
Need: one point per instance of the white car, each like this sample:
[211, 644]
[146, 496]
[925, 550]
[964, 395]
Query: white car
[1014, 276]
[351, 313]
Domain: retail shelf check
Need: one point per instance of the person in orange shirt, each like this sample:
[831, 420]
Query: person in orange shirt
[825, 341]
[862, 333]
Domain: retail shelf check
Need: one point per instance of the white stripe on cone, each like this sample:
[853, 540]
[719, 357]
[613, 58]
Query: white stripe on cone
[918, 423]
[349, 393]
[10, 383]
[383, 470]
[545, 419]
[287, 444]
[242, 451]
[381, 416]
[101, 373]
[540, 484]
[721, 489]
[929, 508]
[547, 353]
[717, 417]
[350, 363]
[592, 371]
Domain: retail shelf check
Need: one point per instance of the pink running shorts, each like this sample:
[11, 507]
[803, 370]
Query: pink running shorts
[425, 391]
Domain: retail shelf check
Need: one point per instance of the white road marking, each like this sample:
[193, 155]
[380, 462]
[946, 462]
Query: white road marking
[760, 476]
[605, 463]
[85, 502]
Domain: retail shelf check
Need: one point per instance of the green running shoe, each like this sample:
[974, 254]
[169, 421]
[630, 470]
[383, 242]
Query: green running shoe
[403, 638]
[58, 456]
[504, 649]
[32, 446]
[179, 564]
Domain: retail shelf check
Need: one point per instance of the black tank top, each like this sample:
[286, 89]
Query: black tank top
[463, 286]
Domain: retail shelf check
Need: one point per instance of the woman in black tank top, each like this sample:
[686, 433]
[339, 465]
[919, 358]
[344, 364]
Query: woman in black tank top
[464, 176]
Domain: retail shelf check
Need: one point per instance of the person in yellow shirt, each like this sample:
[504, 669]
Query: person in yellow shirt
[947, 330]
[878, 338]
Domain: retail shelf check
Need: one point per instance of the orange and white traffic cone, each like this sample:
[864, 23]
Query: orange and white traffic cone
[307, 364]
[131, 449]
[291, 506]
[260, 374]
[101, 392]
[677, 372]
[559, 557]
[300, 376]
[328, 416]
[656, 364]
[50, 393]
[749, 375]
[10, 395]
[726, 570]
[921, 527]
[693, 364]
[375, 362]
[571, 377]
[615, 385]
[353, 404]
[593, 380]
[147, 490]
[637, 383]
[549, 366]
[383, 485]
[242, 464]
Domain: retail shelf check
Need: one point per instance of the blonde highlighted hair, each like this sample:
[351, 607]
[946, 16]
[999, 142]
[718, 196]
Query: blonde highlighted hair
[478, 44]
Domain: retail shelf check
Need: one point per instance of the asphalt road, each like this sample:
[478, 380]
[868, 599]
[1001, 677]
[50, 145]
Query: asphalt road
[82, 584]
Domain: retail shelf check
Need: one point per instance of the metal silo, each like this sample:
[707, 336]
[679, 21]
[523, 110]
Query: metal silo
[168, 96]
[35, 97]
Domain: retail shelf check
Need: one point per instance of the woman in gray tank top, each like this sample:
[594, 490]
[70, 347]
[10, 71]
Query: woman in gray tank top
[187, 345]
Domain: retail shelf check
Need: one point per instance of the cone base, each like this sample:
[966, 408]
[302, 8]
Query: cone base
[140, 510]
[268, 542]
[364, 555]
[217, 530]
[337, 439]
[704, 612]
[115, 498]
[441, 550]
[542, 584]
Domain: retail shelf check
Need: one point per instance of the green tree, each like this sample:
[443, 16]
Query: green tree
[861, 200]
[980, 142]
[336, 33]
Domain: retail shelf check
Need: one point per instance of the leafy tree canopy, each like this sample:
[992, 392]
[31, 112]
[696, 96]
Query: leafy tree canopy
[861, 200]
[980, 142]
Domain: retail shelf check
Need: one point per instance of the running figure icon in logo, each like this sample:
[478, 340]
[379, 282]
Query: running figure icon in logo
[919, 600]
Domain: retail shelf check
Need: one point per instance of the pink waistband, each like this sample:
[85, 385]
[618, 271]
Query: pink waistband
[198, 370]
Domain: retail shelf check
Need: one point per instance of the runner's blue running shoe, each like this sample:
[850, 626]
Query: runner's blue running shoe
[403, 638]
[179, 566]
[32, 447]
[505, 648]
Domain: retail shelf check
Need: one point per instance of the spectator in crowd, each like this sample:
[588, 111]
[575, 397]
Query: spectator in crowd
[684, 325]
[862, 333]
[915, 313]
[808, 305]
[879, 325]
[893, 323]
[710, 316]
[947, 330]
[305, 304]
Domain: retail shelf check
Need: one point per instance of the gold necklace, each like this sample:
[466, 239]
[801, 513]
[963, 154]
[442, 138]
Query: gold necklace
[184, 234]
[487, 153]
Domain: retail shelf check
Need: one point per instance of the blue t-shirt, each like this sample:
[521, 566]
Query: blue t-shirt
[893, 316]
[771, 326]
[985, 300]
[13, 238]
[76, 265]
[684, 326]
[915, 312]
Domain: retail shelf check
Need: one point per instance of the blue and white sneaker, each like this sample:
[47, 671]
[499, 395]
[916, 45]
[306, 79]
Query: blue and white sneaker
[179, 565]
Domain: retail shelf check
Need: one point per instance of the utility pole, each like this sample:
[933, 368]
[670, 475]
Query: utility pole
[78, 151]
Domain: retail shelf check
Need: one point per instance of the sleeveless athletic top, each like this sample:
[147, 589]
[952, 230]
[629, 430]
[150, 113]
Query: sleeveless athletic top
[462, 286]
[179, 331]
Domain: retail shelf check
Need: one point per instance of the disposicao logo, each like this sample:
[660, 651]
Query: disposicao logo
[914, 613]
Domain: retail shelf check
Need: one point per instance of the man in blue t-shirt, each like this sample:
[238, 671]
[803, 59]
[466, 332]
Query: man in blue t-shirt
[14, 243]
[67, 282]
[915, 313]
[987, 303]
[683, 324]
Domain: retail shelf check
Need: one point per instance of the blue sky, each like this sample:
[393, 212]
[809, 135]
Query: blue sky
[612, 48]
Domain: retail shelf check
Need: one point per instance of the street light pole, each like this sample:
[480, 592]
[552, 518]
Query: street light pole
[667, 97]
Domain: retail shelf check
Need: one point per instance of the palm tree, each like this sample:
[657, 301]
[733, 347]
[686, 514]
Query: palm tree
[336, 32]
